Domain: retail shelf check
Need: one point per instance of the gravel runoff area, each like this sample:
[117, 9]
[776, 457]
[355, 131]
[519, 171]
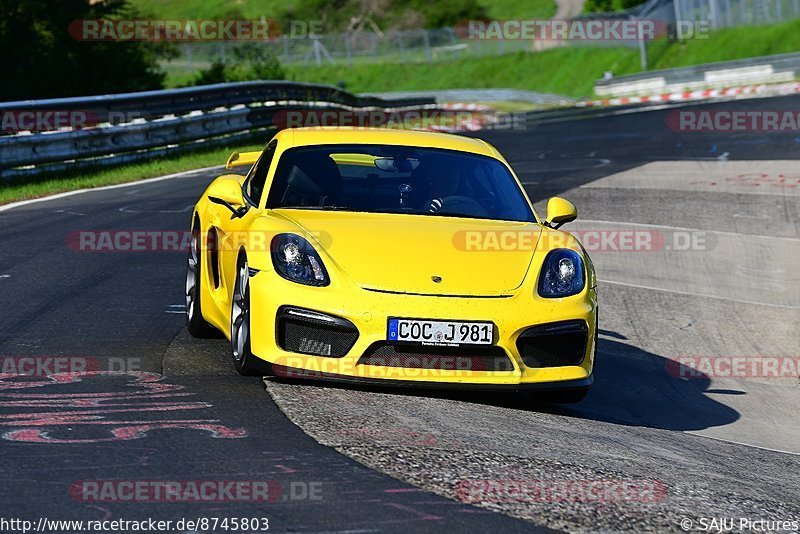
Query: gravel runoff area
[495, 451]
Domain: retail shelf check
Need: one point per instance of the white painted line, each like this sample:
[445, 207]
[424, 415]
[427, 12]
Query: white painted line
[128, 209]
[175, 311]
[5, 276]
[688, 229]
[744, 444]
[13, 205]
[176, 305]
[691, 294]
[591, 185]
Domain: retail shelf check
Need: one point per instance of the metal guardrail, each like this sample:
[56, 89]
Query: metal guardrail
[166, 121]
[179, 101]
[483, 95]
[765, 69]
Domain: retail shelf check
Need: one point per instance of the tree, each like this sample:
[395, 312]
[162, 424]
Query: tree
[42, 60]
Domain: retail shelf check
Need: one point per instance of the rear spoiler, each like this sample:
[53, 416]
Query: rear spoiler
[238, 159]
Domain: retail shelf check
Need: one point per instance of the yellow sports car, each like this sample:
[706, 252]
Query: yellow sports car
[391, 256]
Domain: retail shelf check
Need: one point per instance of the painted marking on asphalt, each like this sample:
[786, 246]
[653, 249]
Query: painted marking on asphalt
[719, 175]
[86, 410]
[5, 276]
[744, 444]
[128, 209]
[418, 513]
[761, 217]
[57, 196]
[702, 295]
[683, 228]
[70, 212]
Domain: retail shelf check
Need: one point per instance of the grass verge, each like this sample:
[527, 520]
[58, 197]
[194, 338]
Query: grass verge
[27, 188]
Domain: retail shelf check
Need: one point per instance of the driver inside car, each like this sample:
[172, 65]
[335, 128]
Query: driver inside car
[445, 183]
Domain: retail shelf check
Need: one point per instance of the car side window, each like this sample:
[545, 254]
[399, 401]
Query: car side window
[258, 175]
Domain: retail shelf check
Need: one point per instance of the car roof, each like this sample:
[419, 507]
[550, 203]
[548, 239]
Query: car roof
[384, 136]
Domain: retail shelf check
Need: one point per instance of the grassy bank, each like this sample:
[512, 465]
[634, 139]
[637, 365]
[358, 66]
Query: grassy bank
[255, 9]
[565, 71]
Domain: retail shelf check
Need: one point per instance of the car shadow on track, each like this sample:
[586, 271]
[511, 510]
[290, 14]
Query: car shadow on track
[632, 387]
[639, 388]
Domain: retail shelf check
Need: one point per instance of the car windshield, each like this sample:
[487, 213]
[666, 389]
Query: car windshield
[397, 179]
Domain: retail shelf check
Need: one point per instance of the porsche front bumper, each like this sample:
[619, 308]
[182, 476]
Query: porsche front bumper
[368, 311]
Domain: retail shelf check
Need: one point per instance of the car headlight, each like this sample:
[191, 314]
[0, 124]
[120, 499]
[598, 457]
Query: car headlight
[562, 274]
[295, 259]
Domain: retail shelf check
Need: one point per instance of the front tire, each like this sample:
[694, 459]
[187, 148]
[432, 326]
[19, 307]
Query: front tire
[195, 323]
[243, 359]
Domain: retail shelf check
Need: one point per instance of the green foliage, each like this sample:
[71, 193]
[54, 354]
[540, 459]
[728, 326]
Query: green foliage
[252, 62]
[387, 14]
[446, 13]
[343, 15]
[602, 6]
[41, 59]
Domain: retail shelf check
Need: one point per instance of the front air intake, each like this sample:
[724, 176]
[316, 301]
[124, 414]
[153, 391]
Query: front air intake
[477, 358]
[314, 333]
[554, 345]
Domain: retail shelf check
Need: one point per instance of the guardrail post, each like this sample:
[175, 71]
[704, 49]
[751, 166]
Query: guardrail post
[676, 4]
[317, 56]
[728, 13]
[642, 47]
[426, 38]
[400, 49]
[712, 14]
[286, 55]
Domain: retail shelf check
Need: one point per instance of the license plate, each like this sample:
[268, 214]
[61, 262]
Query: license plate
[447, 333]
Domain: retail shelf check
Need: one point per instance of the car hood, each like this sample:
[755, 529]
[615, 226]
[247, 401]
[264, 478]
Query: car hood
[404, 253]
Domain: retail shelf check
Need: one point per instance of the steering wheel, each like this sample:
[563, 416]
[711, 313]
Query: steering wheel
[459, 204]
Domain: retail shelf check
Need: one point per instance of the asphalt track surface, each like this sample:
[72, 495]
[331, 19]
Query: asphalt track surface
[350, 459]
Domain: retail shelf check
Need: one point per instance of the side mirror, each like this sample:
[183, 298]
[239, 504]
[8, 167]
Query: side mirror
[560, 211]
[228, 192]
